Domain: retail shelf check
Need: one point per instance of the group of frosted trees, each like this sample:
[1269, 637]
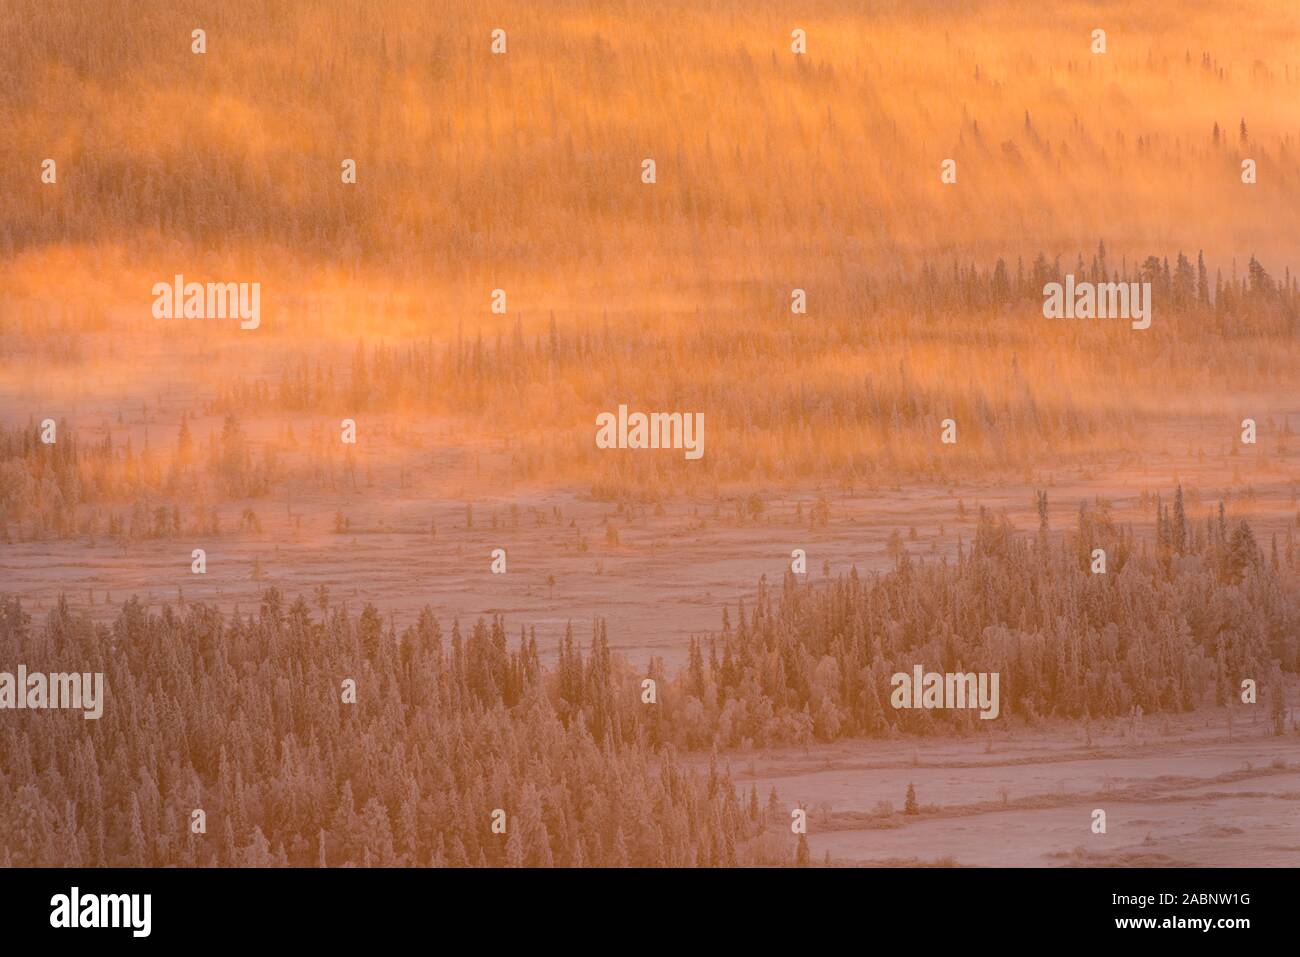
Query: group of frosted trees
[1169, 626]
[245, 718]
[248, 717]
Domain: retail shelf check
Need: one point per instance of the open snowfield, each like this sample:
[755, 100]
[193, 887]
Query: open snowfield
[1176, 791]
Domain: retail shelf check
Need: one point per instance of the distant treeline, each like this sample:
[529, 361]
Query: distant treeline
[856, 389]
[246, 718]
[855, 393]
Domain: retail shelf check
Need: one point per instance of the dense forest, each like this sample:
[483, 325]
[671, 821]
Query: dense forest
[247, 716]
[244, 718]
